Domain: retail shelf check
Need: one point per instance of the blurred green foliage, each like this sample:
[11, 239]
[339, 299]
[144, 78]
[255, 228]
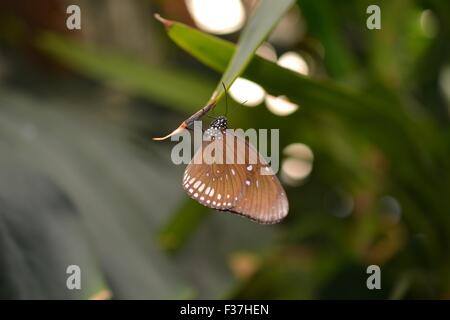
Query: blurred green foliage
[374, 114]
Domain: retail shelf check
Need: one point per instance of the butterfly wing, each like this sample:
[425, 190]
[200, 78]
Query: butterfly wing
[240, 188]
[263, 198]
[215, 185]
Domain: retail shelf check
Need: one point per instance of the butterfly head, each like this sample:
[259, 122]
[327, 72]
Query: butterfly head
[221, 123]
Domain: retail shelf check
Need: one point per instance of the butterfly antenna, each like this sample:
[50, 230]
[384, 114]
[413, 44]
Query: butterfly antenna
[226, 99]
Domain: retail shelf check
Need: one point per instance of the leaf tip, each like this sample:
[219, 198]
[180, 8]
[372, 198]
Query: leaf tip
[167, 23]
[174, 132]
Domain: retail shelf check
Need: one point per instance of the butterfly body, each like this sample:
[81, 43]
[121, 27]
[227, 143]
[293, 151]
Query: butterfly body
[236, 179]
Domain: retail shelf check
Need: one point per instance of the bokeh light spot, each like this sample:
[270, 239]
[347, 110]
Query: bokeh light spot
[267, 51]
[295, 62]
[428, 23]
[243, 90]
[217, 16]
[298, 165]
[280, 106]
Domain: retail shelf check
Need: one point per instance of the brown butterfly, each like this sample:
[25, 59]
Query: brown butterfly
[226, 184]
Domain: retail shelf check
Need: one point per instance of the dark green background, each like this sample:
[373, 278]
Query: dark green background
[81, 181]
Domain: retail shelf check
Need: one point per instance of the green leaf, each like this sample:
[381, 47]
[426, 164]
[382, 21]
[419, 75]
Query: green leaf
[356, 108]
[257, 29]
[148, 81]
[218, 55]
